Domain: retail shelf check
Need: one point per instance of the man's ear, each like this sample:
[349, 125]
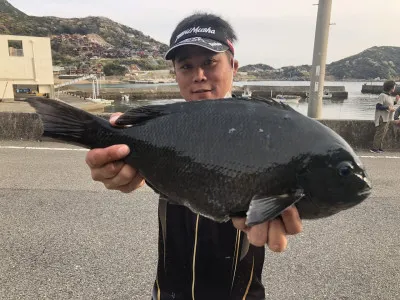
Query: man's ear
[235, 66]
[174, 70]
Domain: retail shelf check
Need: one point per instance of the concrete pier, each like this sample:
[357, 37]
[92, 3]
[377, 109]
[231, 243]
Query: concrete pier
[133, 94]
[338, 92]
[376, 89]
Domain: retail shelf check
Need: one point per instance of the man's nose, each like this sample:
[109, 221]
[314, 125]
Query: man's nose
[199, 74]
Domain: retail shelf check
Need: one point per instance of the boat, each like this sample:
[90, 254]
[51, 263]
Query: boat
[99, 100]
[287, 98]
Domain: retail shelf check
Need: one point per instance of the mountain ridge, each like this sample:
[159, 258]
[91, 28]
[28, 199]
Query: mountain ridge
[75, 41]
[121, 41]
[377, 62]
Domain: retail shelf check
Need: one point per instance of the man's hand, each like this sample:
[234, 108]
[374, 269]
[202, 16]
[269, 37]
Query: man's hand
[106, 166]
[272, 232]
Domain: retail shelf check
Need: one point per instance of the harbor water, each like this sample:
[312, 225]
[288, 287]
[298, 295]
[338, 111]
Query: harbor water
[357, 106]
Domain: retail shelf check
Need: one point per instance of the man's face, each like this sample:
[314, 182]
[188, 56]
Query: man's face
[203, 74]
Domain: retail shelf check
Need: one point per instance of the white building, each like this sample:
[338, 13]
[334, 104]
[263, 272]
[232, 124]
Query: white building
[25, 66]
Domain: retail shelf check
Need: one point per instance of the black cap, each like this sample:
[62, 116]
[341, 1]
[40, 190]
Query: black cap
[203, 36]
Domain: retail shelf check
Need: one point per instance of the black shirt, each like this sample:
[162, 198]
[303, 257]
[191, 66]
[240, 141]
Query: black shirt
[202, 259]
[199, 259]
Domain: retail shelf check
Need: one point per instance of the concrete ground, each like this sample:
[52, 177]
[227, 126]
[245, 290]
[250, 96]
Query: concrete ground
[64, 236]
[22, 106]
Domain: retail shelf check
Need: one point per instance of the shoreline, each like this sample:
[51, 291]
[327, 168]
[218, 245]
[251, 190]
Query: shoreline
[154, 77]
[131, 92]
[161, 81]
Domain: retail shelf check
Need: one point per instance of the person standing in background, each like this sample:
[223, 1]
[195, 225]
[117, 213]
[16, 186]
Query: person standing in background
[383, 114]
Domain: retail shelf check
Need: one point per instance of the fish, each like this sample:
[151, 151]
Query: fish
[224, 158]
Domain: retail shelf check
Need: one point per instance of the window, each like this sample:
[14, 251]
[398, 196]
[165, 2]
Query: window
[15, 48]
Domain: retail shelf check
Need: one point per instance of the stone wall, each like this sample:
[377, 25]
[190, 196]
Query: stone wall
[20, 126]
[358, 133]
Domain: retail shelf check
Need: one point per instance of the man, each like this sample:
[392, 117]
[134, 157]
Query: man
[383, 113]
[199, 258]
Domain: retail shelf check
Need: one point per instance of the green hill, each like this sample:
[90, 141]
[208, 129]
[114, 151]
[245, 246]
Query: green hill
[376, 62]
[79, 39]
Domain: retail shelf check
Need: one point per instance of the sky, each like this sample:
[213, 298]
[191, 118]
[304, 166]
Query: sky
[274, 32]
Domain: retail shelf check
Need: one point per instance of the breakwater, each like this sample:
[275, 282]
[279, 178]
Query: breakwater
[112, 94]
[337, 92]
[358, 133]
[116, 94]
[376, 89]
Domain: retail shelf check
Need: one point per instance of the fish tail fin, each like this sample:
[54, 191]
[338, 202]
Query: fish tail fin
[67, 123]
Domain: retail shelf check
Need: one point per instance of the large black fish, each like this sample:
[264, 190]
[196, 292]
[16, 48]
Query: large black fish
[225, 157]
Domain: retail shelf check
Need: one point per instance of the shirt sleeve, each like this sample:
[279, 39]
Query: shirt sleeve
[380, 106]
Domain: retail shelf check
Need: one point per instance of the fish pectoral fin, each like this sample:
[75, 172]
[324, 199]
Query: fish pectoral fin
[150, 185]
[266, 208]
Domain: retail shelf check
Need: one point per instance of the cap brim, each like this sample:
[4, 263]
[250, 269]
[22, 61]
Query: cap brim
[209, 44]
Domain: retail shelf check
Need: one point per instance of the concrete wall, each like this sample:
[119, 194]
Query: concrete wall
[34, 67]
[17, 126]
[358, 133]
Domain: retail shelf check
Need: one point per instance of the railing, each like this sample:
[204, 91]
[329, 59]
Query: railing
[75, 80]
[16, 52]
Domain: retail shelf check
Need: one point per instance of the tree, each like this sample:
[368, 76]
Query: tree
[114, 69]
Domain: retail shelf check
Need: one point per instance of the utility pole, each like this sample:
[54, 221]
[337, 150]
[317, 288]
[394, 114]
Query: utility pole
[319, 59]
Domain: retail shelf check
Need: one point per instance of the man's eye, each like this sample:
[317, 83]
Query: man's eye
[185, 67]
[209, 62]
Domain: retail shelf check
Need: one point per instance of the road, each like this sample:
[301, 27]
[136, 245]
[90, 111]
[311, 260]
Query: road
[64, 236]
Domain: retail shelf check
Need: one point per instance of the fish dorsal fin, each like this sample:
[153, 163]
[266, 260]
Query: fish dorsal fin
[272, 102]
[266, 208]
[139, 115]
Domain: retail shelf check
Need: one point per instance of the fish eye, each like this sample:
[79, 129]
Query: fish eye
[345, 168]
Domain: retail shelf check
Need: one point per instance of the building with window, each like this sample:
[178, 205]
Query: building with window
[26, 67]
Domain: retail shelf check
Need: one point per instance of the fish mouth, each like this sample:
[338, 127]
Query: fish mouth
[365, 180]
[311, 207]
[364, 193]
